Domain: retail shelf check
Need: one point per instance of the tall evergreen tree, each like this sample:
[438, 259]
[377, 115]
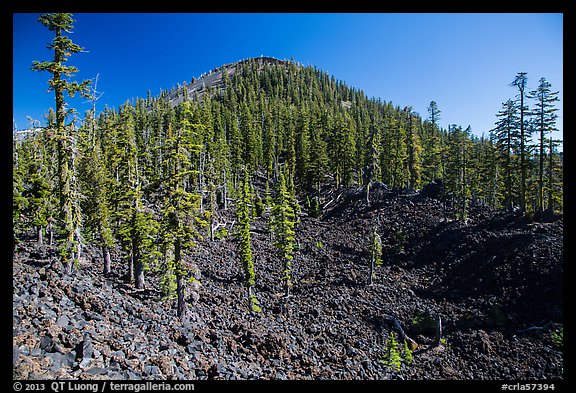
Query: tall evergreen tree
[520, 82]
[244, 244]
[63, 47]
[181, 206]
[414, 150]
[282, 225]
[544, 119]
[506, 137]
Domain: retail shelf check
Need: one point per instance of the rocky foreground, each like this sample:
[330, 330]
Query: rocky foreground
[495, 281]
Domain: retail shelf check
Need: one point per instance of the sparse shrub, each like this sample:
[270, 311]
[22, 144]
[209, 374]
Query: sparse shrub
[319, 245]
[254, 304]
[407, 354]
[391, 356]
[558, 337]
[221, 233]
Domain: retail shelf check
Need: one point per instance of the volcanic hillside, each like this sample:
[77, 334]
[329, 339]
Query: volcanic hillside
[495, 281]
[270, 168]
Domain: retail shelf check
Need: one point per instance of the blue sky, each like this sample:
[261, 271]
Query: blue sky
[465, 62]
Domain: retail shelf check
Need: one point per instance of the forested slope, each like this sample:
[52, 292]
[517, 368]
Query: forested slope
[268, 221]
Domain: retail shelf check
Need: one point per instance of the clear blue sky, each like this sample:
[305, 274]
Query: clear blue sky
[465, 62]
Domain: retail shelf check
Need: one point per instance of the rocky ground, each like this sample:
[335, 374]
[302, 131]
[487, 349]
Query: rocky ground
[495, 281]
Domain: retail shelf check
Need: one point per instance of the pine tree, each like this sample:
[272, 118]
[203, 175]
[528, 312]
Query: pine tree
[38, 190]
[95, 184]
[431, 147]
[302, 145]
[318, 156]
[506, 137]
[372, 160]
[180, 207]
[414, 149]
[244, 245]
[394, 153]
[392, 358]
[19, 201]
[282, 225]
[520, 82]
[458, 171]
[544, 119]
[63, 47]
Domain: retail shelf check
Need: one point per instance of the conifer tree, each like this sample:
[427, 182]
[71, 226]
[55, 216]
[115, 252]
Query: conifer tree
[431, 147]
[520, 82]
[394, 153]
[19, 201]
[63, 47]
[544, 119]
[37, 191]
[318, 156]
[414, 149]
[392, 358]
[95, 184]
[506, 137]
[302, 144]
[244, 245]
[372, 158]
[282, 225]
[180, 207]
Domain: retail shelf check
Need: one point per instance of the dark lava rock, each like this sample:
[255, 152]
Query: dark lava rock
[97, 371]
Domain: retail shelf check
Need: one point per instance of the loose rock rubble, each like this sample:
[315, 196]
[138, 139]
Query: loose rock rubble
[490, 280]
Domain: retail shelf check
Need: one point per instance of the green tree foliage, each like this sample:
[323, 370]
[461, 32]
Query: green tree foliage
[394, 153]
[392, 358]
[506, 137]
[414, 148]
[458, 169]
[63, 47]
[431, 145]
[140, 181]
[520, 82]
[19, 201]
[544, 119]
[282, 225]
[180, 212]
[96, 186]
[244, 247]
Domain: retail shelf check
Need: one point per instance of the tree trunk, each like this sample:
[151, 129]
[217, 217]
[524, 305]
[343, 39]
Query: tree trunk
[79, 246]
[106, 258]
[39, 232]
[50, 234]
[69, 264]
[438, 338]
[130, 276]
[138, 268]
